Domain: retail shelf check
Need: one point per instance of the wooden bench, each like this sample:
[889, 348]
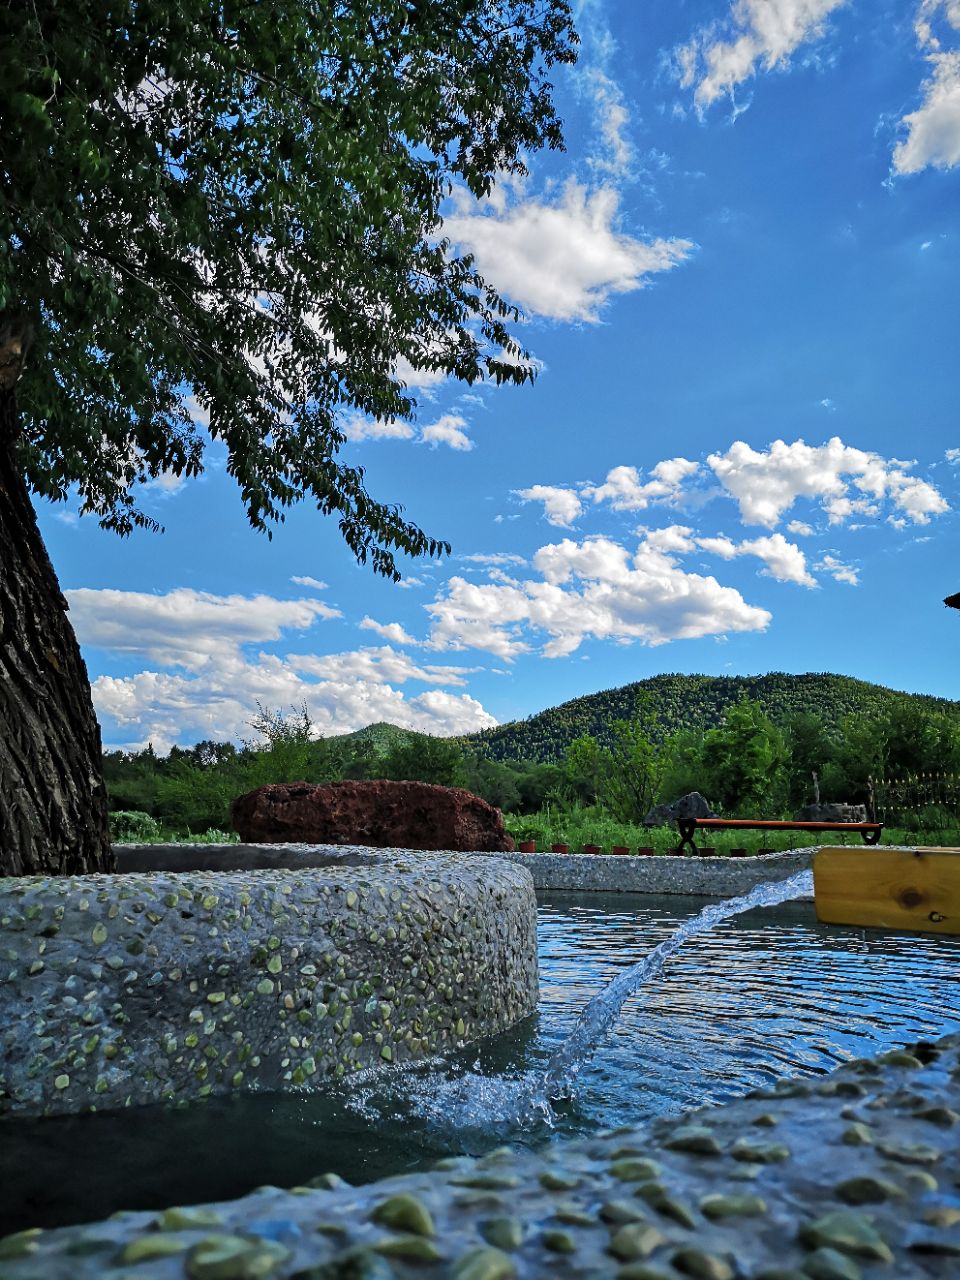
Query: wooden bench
[868, 831]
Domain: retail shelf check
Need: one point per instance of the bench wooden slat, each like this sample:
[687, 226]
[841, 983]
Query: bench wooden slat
[868, 831]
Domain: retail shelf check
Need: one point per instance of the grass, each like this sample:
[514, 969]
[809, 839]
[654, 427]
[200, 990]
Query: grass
[578, 827]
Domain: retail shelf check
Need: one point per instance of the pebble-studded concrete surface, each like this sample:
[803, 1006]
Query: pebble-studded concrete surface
[852, 1176]
[120, 990]
[574, 872]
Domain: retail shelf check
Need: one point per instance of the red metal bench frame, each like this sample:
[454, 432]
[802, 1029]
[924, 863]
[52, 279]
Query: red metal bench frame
[868, 831]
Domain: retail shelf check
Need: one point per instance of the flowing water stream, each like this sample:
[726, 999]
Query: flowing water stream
[478, 1101]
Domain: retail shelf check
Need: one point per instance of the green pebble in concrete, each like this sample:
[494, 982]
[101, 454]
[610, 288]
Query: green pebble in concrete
[413, 1247]
[188, 1219]
[696, 1139]
[857, 1135]
[503, 1233]
[702, 1265]
[759, 1152]
[719, 1206]
[559, 1241]
[552, 1181]
[404, 1212]
[828, 1264]
[160, 1245]
[20, 1244]
[867, 1190]
[621, 1211]
[636, 1240]
[641, 1271]
[847, 1232]
[634, 1170]
[234, 1258]
[484, 1264]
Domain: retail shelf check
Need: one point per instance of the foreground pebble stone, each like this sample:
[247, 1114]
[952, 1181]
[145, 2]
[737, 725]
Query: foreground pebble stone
[594, 1208]
[130, 989]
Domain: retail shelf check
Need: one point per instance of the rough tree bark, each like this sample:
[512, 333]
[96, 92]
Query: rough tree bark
[53, 803]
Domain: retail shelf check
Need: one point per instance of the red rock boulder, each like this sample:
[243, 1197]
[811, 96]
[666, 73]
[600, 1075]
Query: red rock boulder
[383, 814]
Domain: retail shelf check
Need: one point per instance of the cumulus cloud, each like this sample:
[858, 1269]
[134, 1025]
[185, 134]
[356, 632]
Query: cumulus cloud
[356, 428]
[165, 708]
[561, 507]
[783, 560]
[562, 259]
[933, 131]
[185, 628]
[596, 589]
[449, 430]
[496, 559]
[845, 481]
[839, 571]
[389, 630]
[625, 492]
[800, 528]
[953, 456]
[315, 583]
[756, 34]
[208, 685]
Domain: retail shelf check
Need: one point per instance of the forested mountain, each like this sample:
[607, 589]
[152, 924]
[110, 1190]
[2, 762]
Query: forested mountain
[691, 702]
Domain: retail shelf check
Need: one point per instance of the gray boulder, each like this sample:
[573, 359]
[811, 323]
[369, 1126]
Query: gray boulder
[692, 805]
[832, 813]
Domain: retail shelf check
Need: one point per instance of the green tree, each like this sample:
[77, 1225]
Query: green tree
[586, 766]
[744, 761]
[635, 771]
[424, 759]
[228, 211]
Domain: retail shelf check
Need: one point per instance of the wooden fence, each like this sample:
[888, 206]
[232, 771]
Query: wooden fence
[929, 801]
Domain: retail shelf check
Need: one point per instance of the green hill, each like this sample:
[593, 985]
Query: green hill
[381, 736]
[690, 702]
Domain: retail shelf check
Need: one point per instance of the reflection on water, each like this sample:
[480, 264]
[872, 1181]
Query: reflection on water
[766, 994]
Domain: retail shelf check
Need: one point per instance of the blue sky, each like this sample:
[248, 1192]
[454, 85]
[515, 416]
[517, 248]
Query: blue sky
[742, 452]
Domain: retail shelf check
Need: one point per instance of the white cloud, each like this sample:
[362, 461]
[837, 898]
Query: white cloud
[755, 34]
[784, 560]
[380, 665]
[561, 507]
[594, 588]
[447, 430]
[844, 480]
[624, 491]
[392, 631]
[315, 583]
[185, 628]
[838, 570]
[495, 558]
[357, 428]
[408, 583]
[563, 259]
[933, 130]
[166, 708]
[800, 529]
[215, 686]
[953, 456]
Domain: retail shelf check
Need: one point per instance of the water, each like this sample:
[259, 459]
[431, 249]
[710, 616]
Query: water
[768, 993]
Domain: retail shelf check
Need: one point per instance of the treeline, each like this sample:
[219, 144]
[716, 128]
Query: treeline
[672, 703]
[746, 764]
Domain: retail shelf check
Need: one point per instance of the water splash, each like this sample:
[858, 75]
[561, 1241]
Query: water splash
[488, 1103]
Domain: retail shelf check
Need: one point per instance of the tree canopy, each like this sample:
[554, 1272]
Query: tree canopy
[232, 212]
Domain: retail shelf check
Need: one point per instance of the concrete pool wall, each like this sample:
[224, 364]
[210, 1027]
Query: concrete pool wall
[267, 973]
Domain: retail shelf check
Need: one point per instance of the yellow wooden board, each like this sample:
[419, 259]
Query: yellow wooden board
[915, 889]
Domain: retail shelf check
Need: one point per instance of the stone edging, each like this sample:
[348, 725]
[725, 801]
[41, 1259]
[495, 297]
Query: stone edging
[553, 872]
[849, 1177]
[130, 989]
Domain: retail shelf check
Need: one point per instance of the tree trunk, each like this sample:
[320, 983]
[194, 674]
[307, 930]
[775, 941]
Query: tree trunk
[53, 802]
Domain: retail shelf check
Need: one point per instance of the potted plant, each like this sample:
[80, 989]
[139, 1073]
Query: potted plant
[527, 840]
[593, 848]
[646, 851]
[620, 848]
[560, 844]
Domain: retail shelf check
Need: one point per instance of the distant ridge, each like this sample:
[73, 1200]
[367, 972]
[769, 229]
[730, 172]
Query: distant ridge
[691, 702]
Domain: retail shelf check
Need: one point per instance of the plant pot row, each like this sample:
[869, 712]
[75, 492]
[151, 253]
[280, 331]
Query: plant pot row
[530, 846]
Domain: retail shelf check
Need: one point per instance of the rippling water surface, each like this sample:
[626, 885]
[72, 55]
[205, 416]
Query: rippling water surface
[766, 994]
